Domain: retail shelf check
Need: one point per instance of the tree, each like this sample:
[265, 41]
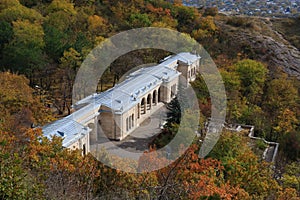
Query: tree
[207, 29]
[14, 11]
[174, 112]
[161, 16]
[190, 178]
[252, 75]
[56, 41]
[24, 53]
[15, 181]
[243, 168]
[290, 145]
[201, 89]
[138, 20]
[8, 3]
[63, 5]
[291, 176]
[212, 11]
[186, 17]
[286, 122]
[97, 25]
[18, 103]
[66, 73]
[280, 94]
[6, 34]
[280, 105]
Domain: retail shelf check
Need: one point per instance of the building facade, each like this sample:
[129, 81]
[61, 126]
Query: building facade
[121, 109]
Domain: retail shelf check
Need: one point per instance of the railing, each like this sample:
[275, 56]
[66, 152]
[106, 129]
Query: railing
[239, 127]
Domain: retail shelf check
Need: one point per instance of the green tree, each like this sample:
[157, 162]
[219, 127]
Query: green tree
[290, 145]
[280, 94]
[281, 107]
[8, 3]
[242, 167]
[291, 177]
[174, 112]
[252, 75]
[56, 41]
[12, 177]
[14, 11]
[6, 34]
[186, 18]
[138, 20]
[24, 53]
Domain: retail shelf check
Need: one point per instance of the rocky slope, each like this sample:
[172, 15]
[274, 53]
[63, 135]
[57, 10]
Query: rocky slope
[257, 38]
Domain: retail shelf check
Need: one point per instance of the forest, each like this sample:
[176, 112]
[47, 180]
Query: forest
[43, 44]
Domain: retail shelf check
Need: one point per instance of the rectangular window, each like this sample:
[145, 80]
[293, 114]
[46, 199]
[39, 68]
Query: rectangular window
[132, 120]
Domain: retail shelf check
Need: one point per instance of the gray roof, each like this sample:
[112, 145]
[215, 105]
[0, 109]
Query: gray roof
[185, 57]
[129, 92]
[67, 128]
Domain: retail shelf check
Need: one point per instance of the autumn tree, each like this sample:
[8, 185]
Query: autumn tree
[243, 168]
[18, 104]
[97, 25]
[206, 31]
[252, 75]
[190, 177]
[291, 176]
[280, 102]
[15, 181]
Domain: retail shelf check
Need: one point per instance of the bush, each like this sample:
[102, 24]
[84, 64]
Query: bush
[240, 22]
[291, 145]
[261, 145]
[212, 11]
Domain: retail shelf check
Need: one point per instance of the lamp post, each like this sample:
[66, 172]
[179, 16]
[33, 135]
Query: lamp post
[39, 91]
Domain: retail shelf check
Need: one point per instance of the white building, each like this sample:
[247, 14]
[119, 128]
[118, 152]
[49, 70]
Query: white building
[121, 109]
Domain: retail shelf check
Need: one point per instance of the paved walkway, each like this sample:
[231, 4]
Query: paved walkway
[138, 141]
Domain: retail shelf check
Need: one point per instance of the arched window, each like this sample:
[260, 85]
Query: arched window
[154, 97]
[149, 102]
[159, 94]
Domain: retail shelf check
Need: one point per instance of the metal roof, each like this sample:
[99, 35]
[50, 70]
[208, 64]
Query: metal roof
[67, 128]
[129, 92]
[185, 57]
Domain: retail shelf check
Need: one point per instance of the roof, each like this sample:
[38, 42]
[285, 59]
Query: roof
[129, 92]
[67, 128]
[185, 57]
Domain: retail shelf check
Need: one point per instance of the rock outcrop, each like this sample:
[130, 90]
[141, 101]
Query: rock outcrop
[260, 41]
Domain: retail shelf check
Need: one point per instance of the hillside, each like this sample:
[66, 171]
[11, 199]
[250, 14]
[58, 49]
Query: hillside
[271, 41]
